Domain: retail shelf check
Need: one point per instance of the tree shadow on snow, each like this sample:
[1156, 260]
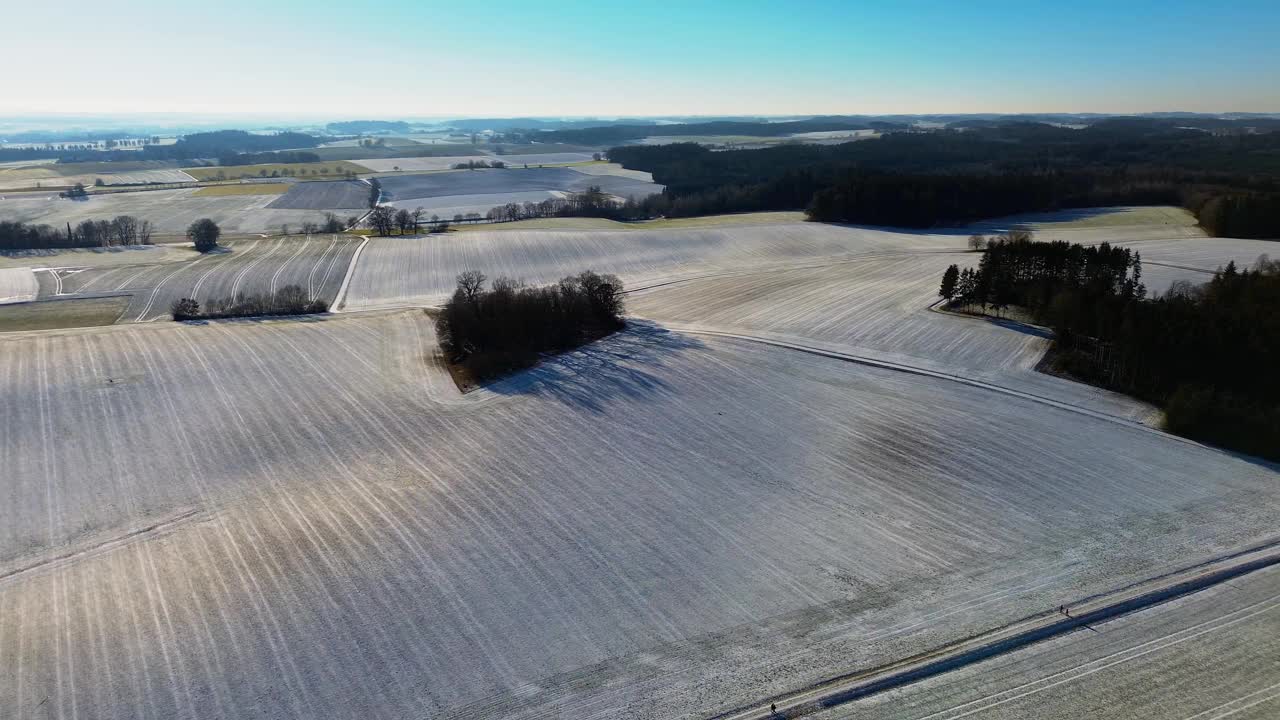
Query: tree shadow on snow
[1021, 327]
[628, 364]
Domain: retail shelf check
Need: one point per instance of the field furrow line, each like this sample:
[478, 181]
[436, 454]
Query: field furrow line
[275, 277]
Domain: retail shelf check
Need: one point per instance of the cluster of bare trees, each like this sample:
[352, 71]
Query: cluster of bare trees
[479, 165]
[386, 220]
[288, 300]
[122, 230]
[592, 203]
[491, 332]
[332, 224]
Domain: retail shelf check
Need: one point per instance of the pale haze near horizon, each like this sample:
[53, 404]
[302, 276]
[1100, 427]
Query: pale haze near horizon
[409, 59]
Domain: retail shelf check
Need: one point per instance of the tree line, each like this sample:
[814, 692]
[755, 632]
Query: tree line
[288, 300]
[921, 179]
[593, 202]
[386, 220]
[121, 230]
[490, 332]
[1206, 354]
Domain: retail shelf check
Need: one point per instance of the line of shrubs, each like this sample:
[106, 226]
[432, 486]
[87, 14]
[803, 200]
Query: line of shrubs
[288, 300]
[492, 332]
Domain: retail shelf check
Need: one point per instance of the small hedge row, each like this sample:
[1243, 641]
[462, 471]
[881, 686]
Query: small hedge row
[288, 300]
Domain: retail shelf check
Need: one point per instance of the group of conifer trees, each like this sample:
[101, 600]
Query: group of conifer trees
[1207, 354]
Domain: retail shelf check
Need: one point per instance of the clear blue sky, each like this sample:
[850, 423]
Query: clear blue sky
[565, 57]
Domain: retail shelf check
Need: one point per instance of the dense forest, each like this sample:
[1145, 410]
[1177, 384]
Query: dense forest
[922, 179]
[220, 143]
[122, 230]
[1206, 354]
[495, 331]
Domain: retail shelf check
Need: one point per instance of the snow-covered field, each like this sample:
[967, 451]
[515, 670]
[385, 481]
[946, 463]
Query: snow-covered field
[393, 271]
[17, 285]
[532, 159]
[317, 264]
[417, 164]
[855, 291]
[446, 206]
[170, 211]
[613, 169]
[813, 474]
[305, 519]
[1208, 655]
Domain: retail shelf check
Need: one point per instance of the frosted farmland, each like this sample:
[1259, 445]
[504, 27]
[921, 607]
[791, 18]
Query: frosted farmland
[316, 263]
[170, 211]
[1205, 655]
[418, 164]
[658, 521]
[17, 285]
[336, 195]
[510, 180]
[532, 159]
[393, 271]
[446, 206]
[613, 169]
[140, 177]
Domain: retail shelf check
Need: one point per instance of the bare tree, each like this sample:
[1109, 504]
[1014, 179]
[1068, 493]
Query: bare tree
[404, 220]
[470, 285]
[382, 219]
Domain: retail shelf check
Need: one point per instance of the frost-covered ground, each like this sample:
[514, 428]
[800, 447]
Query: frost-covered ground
[17, 285]
[316, 263]
[417, 164]
[48, 178]
[852, 290]
[393, 271]
[304, 518]
[1208, 655]
[170, 211]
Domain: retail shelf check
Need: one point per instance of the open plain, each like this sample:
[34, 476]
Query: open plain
[509, 180]
[316, 263]
[170, 211]
[789, 467]
[1208, 655]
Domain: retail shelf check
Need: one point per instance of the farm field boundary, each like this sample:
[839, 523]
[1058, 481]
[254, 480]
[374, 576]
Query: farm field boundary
[926, 372]
[1032, 630]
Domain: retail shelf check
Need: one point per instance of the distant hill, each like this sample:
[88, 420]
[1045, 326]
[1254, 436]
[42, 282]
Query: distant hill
[359, 127]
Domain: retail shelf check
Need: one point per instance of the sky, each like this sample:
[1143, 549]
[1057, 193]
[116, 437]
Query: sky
[608, 58]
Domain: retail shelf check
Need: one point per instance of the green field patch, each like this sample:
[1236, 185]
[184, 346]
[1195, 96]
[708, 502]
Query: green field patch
[55, 314]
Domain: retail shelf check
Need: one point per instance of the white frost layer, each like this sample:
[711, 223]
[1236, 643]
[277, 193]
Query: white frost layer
[656, 521]
[17, 285]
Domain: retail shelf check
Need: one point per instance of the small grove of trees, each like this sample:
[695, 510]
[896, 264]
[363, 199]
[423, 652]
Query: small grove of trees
[288, 300]
[495, 331]
[1206, 354]
[121, 230]
[479, 165]
[77, 192]
[594, 202]
[386, 220]
[1017, 270]
[332, 224]
[204, 234]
